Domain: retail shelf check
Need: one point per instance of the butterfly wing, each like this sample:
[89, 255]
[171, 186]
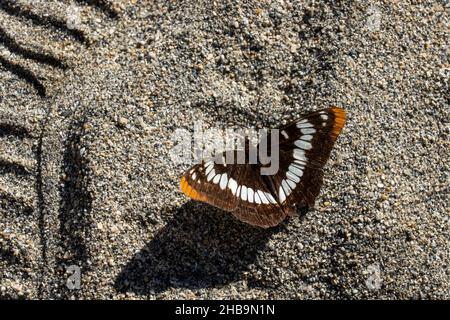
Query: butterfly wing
[237, 188]
[305, 147]
[265, 200]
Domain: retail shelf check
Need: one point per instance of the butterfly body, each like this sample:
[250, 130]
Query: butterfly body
[267, 199]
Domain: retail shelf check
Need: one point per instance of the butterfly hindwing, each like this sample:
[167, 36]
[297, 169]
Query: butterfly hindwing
[257, 205]
[204, 182]
[236, 188]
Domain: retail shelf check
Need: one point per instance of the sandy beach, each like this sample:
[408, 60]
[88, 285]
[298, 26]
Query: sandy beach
[92, 92]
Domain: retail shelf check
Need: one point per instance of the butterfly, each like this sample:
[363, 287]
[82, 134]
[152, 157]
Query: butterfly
[266, 200]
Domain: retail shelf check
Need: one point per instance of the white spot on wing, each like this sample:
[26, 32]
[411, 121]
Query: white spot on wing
[307, 137]
[209, 168]
[208, 163]
[300, 164]
[291, 174]
[303, 144]
[244, 193]
[296, 171]
[232, 185]
[304, 124]
[285, 135]
[238, 191]
[324, 117]
[291, 184]
[270, 197]
[299, 154]
[250, 195]
[308, 130]
[281, 195]
[257, 198]
[216, 179]
[263, 197]
[211, 175]
[223, 181]
[286, 188]
[194, 176]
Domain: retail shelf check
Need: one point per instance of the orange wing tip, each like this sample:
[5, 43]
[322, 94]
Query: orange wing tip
[339, 120]
[189, 191]
[184, 185]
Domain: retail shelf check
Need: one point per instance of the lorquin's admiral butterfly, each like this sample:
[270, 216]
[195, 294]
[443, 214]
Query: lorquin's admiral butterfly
[266, 200]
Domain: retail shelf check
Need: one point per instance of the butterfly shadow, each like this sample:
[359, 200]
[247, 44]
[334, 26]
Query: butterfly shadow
[200, 247]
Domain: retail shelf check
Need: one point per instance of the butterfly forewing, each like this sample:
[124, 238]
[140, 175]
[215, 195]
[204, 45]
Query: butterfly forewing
[265, 200]
[313, 135]
[305, 146]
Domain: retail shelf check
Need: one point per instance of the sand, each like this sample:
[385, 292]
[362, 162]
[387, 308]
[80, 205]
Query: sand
[91, 94]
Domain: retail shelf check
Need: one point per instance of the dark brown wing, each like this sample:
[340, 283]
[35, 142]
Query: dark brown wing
[265, 200]
[237, 188]
[305, 147]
